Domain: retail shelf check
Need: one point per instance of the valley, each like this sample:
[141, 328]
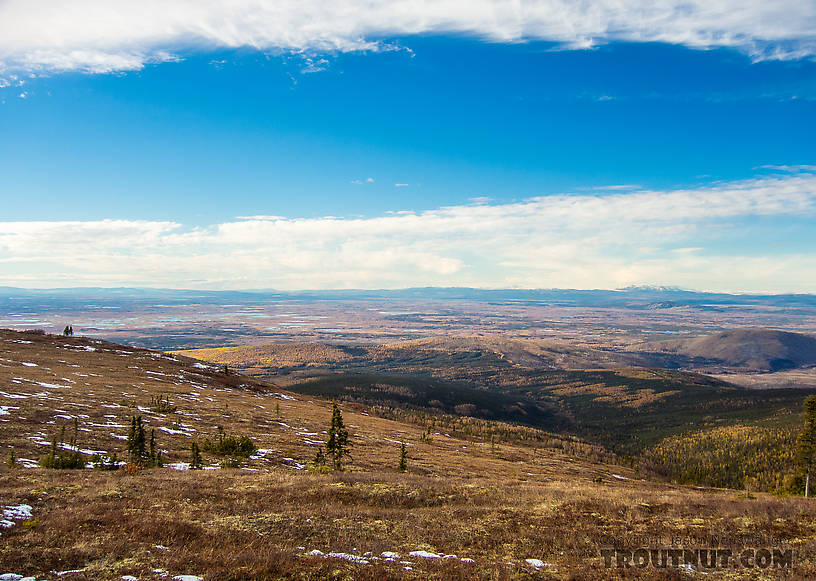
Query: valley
[530, 453]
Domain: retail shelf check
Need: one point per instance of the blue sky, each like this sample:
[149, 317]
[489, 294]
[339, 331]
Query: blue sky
[381, 154]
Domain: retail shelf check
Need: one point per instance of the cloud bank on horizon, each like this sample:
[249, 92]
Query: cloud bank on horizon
[119, 35]
[597, 240]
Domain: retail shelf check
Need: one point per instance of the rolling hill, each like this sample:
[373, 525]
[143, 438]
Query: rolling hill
[625, 409]
[759, 350]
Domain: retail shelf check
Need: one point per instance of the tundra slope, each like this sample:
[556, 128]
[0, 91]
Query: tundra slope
[466, 509]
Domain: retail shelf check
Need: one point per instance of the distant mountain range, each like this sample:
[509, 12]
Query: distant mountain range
[639, 297]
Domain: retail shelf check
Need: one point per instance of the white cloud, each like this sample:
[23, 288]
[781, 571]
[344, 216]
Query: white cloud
[578, 241]
[121, 35]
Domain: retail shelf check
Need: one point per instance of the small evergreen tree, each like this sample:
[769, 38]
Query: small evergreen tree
[136, 442]
[320, 458]
[12, 461]
[196, 463]
[57, 459]
[806, 442]
[338, 442]
[403, 460]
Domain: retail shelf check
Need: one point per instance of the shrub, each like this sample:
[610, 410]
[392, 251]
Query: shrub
[60, 458]
[105, 462]
[161, 404]
[225, 445]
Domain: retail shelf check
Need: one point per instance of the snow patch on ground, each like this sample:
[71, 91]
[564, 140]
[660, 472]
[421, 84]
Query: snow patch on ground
[424, 555]
[345, 556]
[15, 512]
[537, 563]
[179, 466]
[175, 432]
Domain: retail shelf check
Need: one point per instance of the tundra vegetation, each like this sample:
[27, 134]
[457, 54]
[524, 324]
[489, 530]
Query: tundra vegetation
[481, 498]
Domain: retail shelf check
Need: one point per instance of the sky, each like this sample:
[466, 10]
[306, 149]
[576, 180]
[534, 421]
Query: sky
[249, 144]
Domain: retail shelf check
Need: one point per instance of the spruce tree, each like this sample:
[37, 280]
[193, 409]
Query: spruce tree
[403, 460]
[319, 459]
[136, 442]
[338, 442]
[196, 463]
[806, 442]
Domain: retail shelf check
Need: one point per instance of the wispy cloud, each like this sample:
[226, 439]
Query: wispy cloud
[121, 35]
[579, 241]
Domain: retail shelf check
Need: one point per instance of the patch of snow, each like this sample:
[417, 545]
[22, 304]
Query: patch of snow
[188, 578]
[396, 441]
[347, 557]
[174, 432]
[29, 364]
[71, 448]
[619, 477]
[296, 465]
[424, 555]
[537, 563]
[15, 512]
[179, 466]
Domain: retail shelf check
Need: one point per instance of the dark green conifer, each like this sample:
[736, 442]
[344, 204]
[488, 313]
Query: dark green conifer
[338, 442]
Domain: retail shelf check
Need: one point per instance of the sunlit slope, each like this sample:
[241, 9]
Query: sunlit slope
[54, 387]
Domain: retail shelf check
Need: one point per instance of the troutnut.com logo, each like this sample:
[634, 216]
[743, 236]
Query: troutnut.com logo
[712, 558]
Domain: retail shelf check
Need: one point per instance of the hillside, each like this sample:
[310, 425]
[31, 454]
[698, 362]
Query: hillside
[626, 408]
[745, 349]
[84, 392]
[418, 357]
[481, 498]
[51, 381]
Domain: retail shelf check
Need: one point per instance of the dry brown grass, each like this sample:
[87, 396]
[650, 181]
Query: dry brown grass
[238, 525]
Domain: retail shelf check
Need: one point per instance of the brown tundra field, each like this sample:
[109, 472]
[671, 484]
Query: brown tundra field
[520, 503]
